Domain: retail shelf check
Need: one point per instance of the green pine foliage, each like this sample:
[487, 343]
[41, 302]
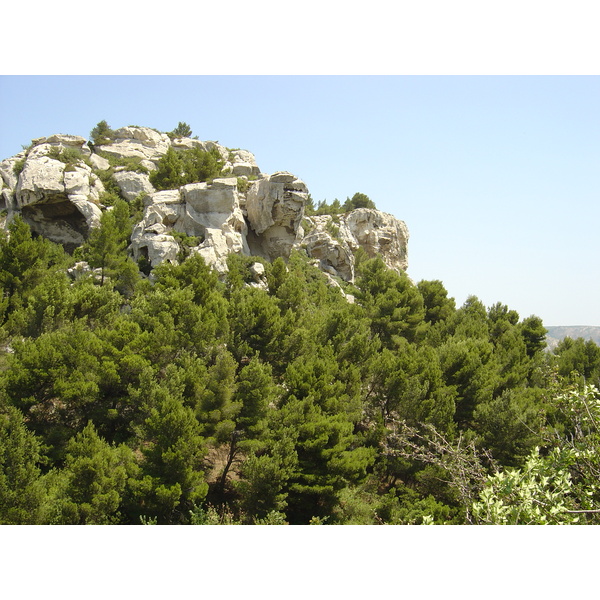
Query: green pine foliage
[182, 130]
[101, 134]
[358, 200]
[187, 399]
[180, 167]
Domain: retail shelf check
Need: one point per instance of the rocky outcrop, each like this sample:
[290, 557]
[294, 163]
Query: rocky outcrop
[138, 142]
[275, 207]
[43, 146]
[7, 171]
[208, 213]
[377, 233]
[242, 163]
[55, 186]
[334, 240]
[322, 241]
[57, 200]
[132, 184]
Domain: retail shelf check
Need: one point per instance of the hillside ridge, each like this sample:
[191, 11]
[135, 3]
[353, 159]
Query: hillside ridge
[556, 333]
[214, 197]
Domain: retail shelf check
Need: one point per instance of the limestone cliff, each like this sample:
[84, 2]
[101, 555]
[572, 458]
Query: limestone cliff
[56, 185]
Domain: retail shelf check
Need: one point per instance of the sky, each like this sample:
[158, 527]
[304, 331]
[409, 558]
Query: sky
[497, 177]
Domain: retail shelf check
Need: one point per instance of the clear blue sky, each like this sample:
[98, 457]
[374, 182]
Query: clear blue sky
[496, 177]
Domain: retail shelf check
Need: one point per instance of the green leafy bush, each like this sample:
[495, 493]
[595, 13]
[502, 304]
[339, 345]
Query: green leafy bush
[182, 130]
[180, 167]
[359, 200]
[102, 134]
[19, 166]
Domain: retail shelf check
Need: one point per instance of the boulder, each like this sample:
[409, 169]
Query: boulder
[155, 248]
[187, 144]
[258, 272]
[132, 184]
[41, 179]
[99, 163]
[242, 163]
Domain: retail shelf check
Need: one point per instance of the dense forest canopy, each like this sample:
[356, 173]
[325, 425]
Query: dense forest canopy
[175, 396]
[193, 400]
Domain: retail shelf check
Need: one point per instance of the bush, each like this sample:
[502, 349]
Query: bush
[102, 134]
[180, 167]
[182, 130]
[19, 166]
[131, 163]
[358, 201]
[69, 156]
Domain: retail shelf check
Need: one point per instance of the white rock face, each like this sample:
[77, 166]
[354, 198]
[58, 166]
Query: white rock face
[40, 179]
[42, 146]
[377, 233]
[63, 203]
[209, 212]
[187, 144]
[99, 163]
[7, 170]
[6, 200]
[242, 163]
[334, 255]
[275, 207]
[57, 203]
[132, 184]
[140, 142]
[334, 240]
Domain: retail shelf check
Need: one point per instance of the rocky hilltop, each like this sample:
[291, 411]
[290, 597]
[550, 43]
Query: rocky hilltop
[59, 185]
[556, 334]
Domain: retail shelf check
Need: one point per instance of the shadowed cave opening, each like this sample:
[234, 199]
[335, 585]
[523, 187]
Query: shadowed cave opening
[60, 221]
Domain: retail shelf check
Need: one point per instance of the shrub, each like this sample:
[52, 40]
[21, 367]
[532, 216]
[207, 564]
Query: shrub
[102, 134]
[19, 166]
[110, 185]
[71, 157]
[180, 167]
[242, 185]
[186, 242]
[182, 130]
[333, 230]
[359, 200]
[131, 163]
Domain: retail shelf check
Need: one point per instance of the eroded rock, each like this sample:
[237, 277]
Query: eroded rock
[333, 240]
[210, 213]
[275, 207]
[57, 201]
[133, 184]
[58, 194]
[138, 142]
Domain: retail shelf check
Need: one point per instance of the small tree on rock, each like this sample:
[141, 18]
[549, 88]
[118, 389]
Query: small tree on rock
[182, 130]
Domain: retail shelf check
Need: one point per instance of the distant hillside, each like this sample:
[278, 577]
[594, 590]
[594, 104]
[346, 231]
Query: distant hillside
[555, 334]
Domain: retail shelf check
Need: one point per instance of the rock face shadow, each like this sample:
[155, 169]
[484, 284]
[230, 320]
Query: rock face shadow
[60, 221]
